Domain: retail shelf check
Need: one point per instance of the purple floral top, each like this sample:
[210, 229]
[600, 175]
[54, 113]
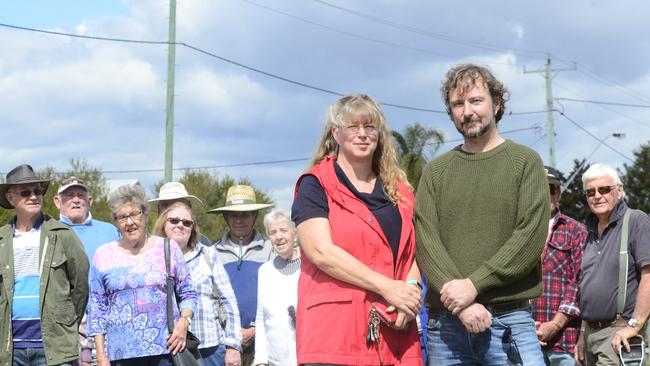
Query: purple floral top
[128, 298]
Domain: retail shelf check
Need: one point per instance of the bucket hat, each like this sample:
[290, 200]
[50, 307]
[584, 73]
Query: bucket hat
[173, 191]
[240, 198]
[22, 174]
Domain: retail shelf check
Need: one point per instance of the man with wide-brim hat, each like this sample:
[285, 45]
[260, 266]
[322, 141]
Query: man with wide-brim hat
[44, 277]
[242, 250]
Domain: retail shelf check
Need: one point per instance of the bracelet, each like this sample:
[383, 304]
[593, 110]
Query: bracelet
[414, 282]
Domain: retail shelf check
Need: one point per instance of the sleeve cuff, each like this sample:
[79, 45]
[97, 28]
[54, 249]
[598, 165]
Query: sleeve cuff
[570, 310]
[232, 343]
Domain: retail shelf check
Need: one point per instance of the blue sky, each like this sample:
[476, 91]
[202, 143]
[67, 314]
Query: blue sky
[104, 102]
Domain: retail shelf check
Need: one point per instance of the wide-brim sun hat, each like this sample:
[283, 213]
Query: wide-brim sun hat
[174, 191]
[240, 198]
[22, 174]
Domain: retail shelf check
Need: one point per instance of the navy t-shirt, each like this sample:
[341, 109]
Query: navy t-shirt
[311, 202]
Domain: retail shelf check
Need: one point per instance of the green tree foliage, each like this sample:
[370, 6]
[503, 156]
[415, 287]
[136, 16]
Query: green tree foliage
[636, 179]
[212, 191]
[414, 147]
[573, 201]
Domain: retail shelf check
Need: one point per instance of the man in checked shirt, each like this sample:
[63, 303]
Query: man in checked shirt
[556, 312]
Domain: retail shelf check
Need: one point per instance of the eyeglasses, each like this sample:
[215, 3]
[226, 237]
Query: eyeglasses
[133, 216]
[26, 193]
[602, 190]
[292, 314]
[177, 220]
[510, 347]
[355, 129]
[553, 188]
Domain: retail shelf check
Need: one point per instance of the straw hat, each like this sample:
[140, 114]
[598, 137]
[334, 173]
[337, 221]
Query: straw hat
[173, 191]
[241, 198]
[22, 174]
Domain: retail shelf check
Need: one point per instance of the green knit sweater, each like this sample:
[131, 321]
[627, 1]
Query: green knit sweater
[483, 216]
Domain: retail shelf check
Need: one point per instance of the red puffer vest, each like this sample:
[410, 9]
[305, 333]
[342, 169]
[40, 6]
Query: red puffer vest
[332, 316]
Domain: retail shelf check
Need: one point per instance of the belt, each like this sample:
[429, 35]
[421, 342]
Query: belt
[608, 323]
[506, 307]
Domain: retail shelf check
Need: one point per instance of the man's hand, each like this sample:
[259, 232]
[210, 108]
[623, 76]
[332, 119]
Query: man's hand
[456, 295]
[233, 357]
[579, 350]
[546, 331]
[476, 318]
[247, 335]
[622, 336]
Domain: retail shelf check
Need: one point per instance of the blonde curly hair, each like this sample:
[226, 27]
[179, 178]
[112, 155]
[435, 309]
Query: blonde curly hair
[384, 159]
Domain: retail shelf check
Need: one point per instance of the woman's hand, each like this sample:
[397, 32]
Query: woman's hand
[176, 341]
[404, 297]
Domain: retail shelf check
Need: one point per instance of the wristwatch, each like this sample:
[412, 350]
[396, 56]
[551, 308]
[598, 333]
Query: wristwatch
[633, 323]
[189, 320]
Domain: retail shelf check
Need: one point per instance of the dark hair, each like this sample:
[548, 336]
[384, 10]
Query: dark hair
[465, 76]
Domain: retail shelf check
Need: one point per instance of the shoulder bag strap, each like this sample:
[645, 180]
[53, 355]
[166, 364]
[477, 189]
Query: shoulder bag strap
[169, 282]
[215, 294]
[623, 265]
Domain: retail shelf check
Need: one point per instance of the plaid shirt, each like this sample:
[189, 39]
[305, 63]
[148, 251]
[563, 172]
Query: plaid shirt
[561, 274]
[205, 324]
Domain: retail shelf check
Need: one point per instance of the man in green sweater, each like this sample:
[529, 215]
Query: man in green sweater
[481, 223]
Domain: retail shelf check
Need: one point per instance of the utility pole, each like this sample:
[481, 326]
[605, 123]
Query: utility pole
[550, 130]
[171, 61]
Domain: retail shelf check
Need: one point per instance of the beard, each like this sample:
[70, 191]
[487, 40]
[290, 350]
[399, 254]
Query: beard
[477, 133]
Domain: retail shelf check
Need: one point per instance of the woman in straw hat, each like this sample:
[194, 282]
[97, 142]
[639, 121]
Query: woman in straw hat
[354, 211]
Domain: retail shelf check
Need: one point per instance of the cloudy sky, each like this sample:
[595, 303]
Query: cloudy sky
[104, 101]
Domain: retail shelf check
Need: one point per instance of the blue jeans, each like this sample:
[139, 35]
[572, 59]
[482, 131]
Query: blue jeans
[31, 357]
[559, 359]
[214, 356]
[449, 343]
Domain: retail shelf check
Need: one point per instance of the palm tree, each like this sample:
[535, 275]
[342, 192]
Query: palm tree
[414, 147]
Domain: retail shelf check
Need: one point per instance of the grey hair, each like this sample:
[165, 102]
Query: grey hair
[279, 215]
[598, 171]
[128, 194]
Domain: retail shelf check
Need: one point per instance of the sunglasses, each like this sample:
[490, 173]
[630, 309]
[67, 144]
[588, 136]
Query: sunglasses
[26, 193]
[292, 315]
[177, 220]
[602, 190]
[553, 189]
[510, 347]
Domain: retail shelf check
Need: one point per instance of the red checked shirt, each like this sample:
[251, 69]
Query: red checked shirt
[561, 275]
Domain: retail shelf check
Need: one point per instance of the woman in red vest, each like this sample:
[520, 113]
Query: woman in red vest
[354, 211]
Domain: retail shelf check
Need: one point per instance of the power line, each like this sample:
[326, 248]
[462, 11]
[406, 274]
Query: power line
[429, 34]
[605, 103]
[365, 38]
[594, 136]
[208, 53]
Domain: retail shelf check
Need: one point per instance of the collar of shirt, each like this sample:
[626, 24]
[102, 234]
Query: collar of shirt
[67, 221]
[37, 224]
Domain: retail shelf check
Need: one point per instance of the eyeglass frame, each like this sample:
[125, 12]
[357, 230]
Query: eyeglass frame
[27, 193]
[179, 220]
[122, 219]
[355, 129]
[591, 192]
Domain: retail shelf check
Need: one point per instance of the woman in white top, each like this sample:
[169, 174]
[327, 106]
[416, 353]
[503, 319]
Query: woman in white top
[275, 337]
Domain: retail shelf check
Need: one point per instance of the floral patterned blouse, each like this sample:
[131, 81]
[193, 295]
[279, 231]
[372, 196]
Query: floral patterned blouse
[128, 298]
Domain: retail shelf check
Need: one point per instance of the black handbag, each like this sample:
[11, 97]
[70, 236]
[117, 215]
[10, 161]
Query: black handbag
[190, 356]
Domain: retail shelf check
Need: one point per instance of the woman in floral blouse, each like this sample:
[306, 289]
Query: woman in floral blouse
[127, 306]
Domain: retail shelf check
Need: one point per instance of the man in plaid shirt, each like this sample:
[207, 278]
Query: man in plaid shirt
[556, 312]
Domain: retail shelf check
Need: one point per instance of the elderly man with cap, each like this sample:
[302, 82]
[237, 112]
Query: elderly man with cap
[242, 250]
[556, 312]
[175, 192]
[615, 279]
[43, 278]
[73, 199]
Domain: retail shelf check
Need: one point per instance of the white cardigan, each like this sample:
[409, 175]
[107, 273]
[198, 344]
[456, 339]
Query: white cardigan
[275, 335]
